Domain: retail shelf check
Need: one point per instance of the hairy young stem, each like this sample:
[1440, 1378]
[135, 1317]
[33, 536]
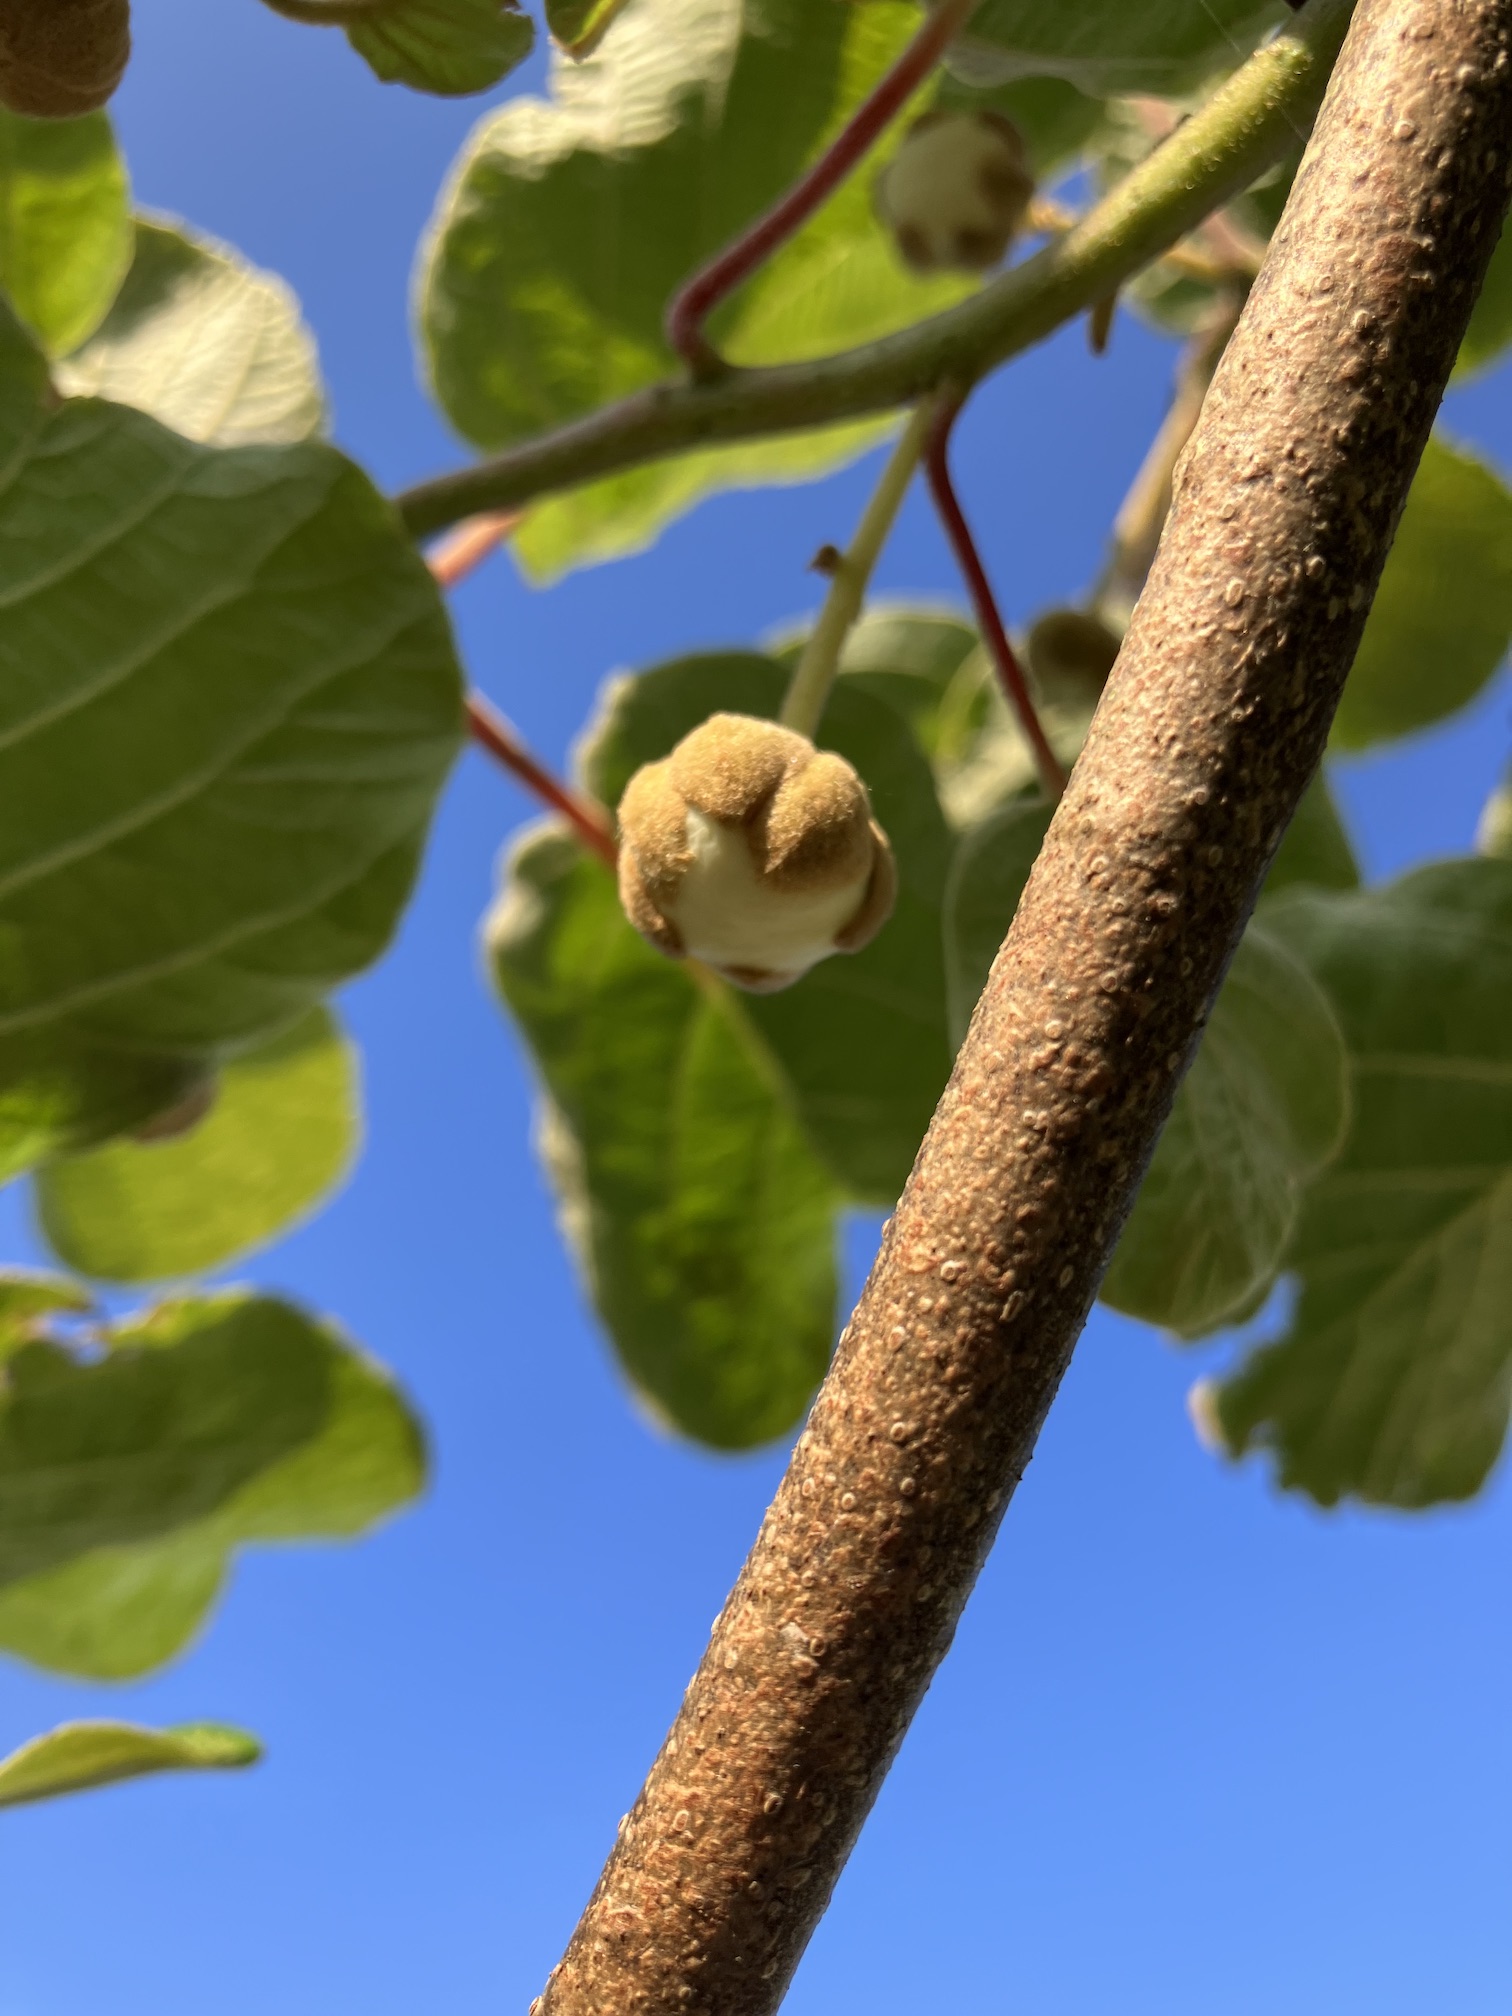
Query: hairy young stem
[984, 602]
[1209, 730]
[803, 705]
[696, 300]
[1247, 124]
[588, 820]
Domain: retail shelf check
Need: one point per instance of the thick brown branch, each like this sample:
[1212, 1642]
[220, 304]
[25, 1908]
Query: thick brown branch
[1212, 724]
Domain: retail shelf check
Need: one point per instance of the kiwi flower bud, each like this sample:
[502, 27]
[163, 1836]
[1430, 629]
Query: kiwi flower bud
[753, 851]
[60, 58]
[956, 191]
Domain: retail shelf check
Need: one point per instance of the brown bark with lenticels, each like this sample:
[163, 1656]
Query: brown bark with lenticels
[1212, 723]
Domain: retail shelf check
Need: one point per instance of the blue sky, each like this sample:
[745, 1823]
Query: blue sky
[1199, 1751]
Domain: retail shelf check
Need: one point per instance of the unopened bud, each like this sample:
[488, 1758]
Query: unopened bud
[753, 851]
[957, 190]
[183, 1116]
[1070, 653]
[60, 58]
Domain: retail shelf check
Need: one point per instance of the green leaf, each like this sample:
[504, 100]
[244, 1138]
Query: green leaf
[128, 1479]
[578, 24]
[861, 1042]
[450, 48]
[65, 223]
[228, 699]
[282, 1133]
[1109, 45]
[1393, 1381]
[923, 662]
[1315, 850]
[568, 223]
[987, 876]
[1442, 618]
[1490, 328]
[205, 342]
[1261, 1111]
[78, 1756]
[701, 1221]
[27, 1299]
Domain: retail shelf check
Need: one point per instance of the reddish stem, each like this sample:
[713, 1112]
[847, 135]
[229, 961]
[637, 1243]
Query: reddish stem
[450, 562]
[455, 557]
[589, 821]
[1010, 672]
[698, 297]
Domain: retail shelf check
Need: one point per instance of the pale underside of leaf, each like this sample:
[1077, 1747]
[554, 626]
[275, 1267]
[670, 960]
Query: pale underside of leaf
[205, 342]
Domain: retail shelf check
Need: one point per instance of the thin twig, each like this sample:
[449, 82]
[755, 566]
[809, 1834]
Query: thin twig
[851, 572]
[455, 557]
[588, 820]
[694, 302]
[984, 602]
[1248, 124]
[450, 562]
[1208, 732]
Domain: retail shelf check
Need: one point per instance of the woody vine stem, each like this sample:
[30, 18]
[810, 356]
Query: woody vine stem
[1210, 728]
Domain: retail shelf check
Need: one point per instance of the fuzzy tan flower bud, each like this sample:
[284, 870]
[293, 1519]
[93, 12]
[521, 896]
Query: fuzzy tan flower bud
[750, 849]
[60, 58]
[956, 191]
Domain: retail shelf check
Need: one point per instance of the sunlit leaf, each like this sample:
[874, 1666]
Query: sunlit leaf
[65, 224]
[228, 699]
[204, 342]
[1394, 1379]
[1442, 618]
[79, 1756]
[569, 222]
[128, 1479]
[702, 1222]
[279, 1136]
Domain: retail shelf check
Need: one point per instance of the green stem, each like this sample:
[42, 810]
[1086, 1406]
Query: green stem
[815, 674]
[1247, 124]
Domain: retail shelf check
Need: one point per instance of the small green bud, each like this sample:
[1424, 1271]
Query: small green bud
[753, 851]
[956, 192]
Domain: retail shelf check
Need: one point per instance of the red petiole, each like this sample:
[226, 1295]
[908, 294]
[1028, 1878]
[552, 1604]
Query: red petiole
[450, 563]
[589, 821]
[989, 621]
[697, 298]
